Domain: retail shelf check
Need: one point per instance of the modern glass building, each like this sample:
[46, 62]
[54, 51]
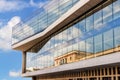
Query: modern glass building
[71, 40]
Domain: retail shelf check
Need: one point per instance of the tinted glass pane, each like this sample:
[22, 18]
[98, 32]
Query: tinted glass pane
[98, 43]
[89, 23]
[107, 14]
[117, 36]
[116, 9]
[108, 40]
[89, 45]
[98, 19]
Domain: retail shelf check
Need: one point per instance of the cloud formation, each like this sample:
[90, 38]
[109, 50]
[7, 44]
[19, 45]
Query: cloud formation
[6, 5]
[14, 73]
[14, 5]
[39, 4]
[6, 33]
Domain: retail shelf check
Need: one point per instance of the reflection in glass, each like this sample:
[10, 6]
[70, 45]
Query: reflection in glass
[98, 42]
[108, 40]
[41, 19]
[93, 36]
[107, 14]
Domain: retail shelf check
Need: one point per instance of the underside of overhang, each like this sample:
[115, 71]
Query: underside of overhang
[74, 13]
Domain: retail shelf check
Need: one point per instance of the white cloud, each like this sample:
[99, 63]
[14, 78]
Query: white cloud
[13, 5]
[32, 3]
[6, 33]
[14, 73]
[6, 5]
[40, 4]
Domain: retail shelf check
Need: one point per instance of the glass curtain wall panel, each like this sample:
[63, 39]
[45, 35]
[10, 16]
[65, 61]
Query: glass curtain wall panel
[41, 19]
[93, 36]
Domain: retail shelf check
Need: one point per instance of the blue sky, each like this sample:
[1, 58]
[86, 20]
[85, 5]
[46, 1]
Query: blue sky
[12, 12]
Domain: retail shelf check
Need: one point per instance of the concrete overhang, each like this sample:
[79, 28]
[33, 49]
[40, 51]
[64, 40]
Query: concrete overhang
[77, 10]
[106, 60]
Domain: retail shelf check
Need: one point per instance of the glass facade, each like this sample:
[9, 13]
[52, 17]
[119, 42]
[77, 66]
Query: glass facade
[43, 18]
[95, 35]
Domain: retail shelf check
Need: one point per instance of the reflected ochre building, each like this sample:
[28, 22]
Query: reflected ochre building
[71, 40]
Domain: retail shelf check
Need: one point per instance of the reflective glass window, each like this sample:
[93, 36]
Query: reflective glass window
[82, 26]
[98, 19]
[108, 40]
[75, 31]
[82, 45]
[107, 14]
[116, 9]
[98, 43]
[89, 45]
[89, 23]
[117, 36]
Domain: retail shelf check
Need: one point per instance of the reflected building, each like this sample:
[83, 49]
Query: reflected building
[71, 40]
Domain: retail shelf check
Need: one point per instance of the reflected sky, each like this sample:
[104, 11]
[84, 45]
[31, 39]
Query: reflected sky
[42, 18]
[94, 34]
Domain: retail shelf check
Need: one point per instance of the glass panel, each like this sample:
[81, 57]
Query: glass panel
[89, 23]
[82, 46]
[98, 19]
[89, 45]
[69, 33]
[41, 19]
[81, 37]
[75, 46]
[75, 31]
[108, 40]
[82, 27]
[69, 48]
[98, 43]
[107, 14]
[117, 36]
[116, 9]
